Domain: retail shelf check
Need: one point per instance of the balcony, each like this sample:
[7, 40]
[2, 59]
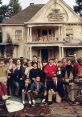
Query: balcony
[46, 39]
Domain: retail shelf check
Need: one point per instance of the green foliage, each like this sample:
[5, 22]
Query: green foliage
[9, 47]
[3, 10]
[8, 10]
[14, 7]
[0, 1]
[78, 7]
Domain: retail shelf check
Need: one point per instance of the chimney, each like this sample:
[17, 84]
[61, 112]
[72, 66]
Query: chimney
[31, 4]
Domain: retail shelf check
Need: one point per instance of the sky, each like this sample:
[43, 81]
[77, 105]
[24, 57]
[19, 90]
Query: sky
[25, 3]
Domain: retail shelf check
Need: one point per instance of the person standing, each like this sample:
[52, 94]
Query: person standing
[28, 67]
[50, 69]
[35, 71]
[21, 71]
[3, 72]
[9, 67]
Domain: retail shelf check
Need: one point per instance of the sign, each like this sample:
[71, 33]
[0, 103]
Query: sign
[56, 15]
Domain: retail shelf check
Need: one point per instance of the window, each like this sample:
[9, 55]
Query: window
[69, 33]
[69, 52]
[18, 34]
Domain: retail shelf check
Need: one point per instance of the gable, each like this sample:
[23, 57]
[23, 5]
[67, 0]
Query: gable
[55, 11]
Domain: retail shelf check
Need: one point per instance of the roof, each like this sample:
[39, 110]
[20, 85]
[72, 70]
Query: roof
[25, 15]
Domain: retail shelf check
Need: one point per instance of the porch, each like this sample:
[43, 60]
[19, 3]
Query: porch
[45, 33]
[46, 51]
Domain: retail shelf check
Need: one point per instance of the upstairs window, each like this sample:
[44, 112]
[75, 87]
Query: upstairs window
[69, 33]
[18, 34]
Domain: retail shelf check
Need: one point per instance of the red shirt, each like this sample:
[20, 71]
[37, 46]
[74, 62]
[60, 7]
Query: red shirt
[79, 69]
[50, 69]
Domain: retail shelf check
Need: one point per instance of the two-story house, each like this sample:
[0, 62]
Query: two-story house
[50, 30]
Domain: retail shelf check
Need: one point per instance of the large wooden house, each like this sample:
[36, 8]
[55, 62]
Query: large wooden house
[50, 30]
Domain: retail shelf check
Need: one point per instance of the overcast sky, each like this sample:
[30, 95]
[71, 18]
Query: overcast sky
[25, 3]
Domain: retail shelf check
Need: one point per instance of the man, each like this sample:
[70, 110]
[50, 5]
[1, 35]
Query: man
[60, 71]
[34, 59]
[55, 88]
[50, 68]
[9, 67]
[35, 71]
[21, 71]
[37, 90]
[26, 91]
[14, 80]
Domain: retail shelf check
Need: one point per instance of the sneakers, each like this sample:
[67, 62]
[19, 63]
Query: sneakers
[30, 102]
[23, 102]
[33, 102]
[5, 97]
[43, 101]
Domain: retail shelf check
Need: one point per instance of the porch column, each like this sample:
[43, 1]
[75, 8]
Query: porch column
[60, 56]
[59, 30]
[30, 34]
[30, 53]
[28, 31]
[62, 52]
[64, 32]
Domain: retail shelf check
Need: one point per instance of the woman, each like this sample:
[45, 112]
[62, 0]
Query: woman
[28, 68]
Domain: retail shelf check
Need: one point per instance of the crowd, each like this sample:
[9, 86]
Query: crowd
[34, 79]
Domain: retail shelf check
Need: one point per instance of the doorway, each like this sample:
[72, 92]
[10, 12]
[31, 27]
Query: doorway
[44, 54]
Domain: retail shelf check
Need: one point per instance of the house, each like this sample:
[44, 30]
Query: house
[50, 30]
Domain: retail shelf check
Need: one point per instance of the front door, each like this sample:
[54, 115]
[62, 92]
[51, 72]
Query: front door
[44, 54]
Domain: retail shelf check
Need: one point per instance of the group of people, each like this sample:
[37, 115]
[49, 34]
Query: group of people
[36, 79]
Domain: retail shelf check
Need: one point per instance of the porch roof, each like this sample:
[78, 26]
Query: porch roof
[4, 44]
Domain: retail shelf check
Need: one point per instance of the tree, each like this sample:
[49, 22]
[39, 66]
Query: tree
[78, 7]
[14, 7]
[9, 47]
[0, 1]
[3, 11]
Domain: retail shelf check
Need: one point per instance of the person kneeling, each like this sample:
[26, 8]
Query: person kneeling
[55, 88]
[26, 91]
[38, 91]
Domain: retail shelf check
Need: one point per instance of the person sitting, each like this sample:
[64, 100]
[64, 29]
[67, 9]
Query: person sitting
[26, 91]
[38, 90]
[55, 88]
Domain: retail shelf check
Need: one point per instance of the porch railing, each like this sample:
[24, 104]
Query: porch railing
[46, 39]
